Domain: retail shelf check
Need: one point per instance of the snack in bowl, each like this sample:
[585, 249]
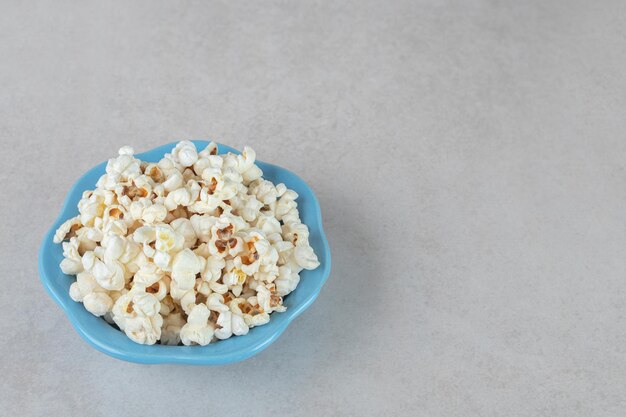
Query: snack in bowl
[191, 249]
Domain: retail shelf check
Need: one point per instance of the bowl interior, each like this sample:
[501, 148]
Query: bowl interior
[110, 340]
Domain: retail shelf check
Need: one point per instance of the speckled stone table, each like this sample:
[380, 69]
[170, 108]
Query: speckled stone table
[469, 157]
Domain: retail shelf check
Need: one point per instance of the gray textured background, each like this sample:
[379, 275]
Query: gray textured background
[468, 156]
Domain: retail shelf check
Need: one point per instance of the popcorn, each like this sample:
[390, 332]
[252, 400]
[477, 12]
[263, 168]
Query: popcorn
[72, 262]
[109, 275]
[147, 211]
[137, 314]
[185, 267]
[167, 243]
[174, 181]
[285, 204]
[296, 233]
[287, 280]
[234, 277]
[195, 248]
[167, 240]
[179, 197]
[198, 330]
[144, 330]
[66, 228]
[264, 191]
[98, 303]
[223, 241]
[185, 153]
[215, 302]
[305, 257]
[184, 228]
[148, 275]
[270, 226]
[159, 289]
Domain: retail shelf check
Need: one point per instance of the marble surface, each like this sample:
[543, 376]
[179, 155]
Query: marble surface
[468, 157]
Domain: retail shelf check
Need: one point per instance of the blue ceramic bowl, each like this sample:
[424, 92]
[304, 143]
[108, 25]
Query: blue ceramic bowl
[113, 342]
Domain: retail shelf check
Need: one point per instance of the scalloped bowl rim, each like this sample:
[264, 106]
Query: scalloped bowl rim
[115, 343]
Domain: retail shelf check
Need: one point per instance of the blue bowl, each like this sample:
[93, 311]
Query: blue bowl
[105, 338]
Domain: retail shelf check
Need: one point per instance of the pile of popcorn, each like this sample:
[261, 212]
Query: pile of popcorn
[194, 248]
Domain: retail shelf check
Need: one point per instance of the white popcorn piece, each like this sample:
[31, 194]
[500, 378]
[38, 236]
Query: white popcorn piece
[267, 273]
[167, 240]
[185, 153]
[130, 252]
[198, 330]
[286, 204]
[264, 191]
[173, 182]
[224, 241]
[137, 314]
[114, 247]
[251, 208]
[87, 284]
[94, 234]
[75, 293]
[145, 234]
[147, 211]
[116, 227]
[238, 324]
[177, 293]
[72, 262]
[224, 328]
[98, 303]
[184, 227]
[188, 301]
[154, 214]
[215, 302]
[148, 274]
[144, 330]
[210, 150]
[287, 280]
[251, 175]
[88, 259]
[234, 277]
[270, 226]
[146, 304]
[284, 250]
[168, 306]
[296, 233]
[109, 275]
[305, 257]
[257, 251]
[202, 287]
[263, 296]
[202, 225]
[213, 268]
[184, 269]
[91, 208]
[123, 168]
[256, 320]
[179, 197]
[194, 188]
[218, 288]
[155, 173]
[159, 289]
[84, 243]
[67, 228]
